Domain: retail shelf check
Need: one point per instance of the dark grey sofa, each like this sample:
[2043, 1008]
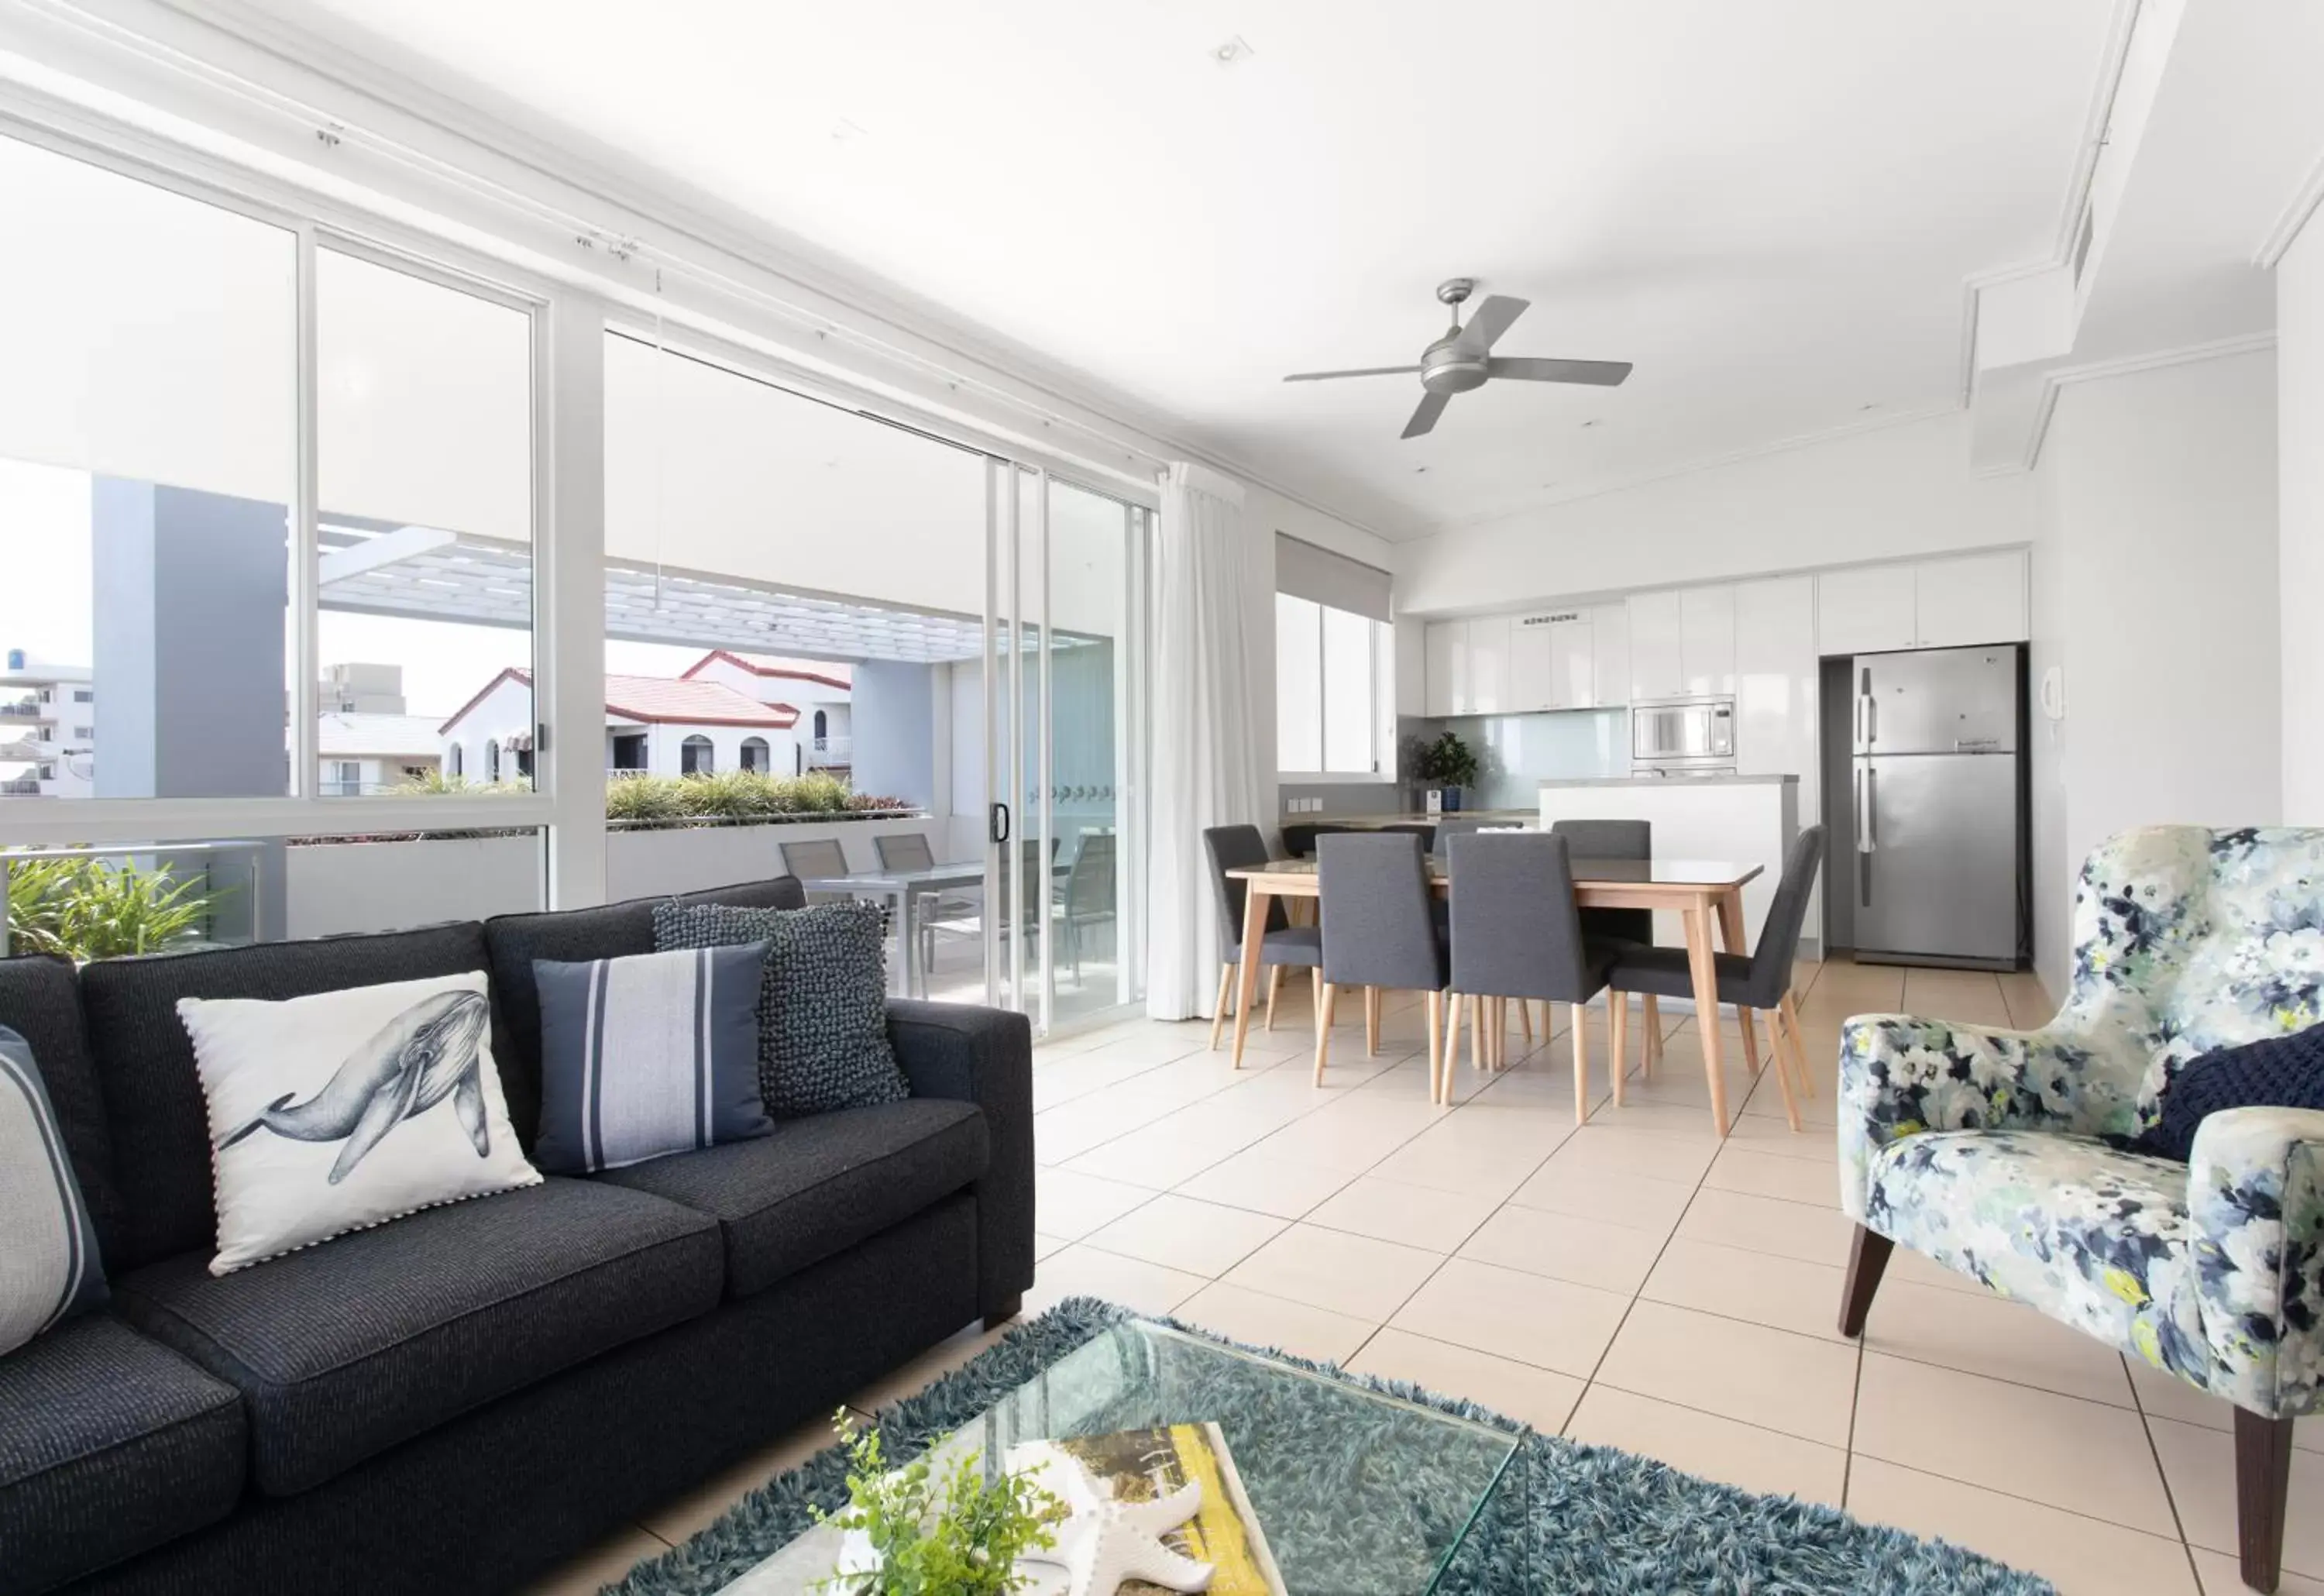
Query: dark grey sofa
[462, 1399]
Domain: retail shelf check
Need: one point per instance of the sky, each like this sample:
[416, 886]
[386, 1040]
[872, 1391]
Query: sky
[45, 607]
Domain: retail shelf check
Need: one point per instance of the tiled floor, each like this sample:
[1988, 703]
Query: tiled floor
[1636, 1283]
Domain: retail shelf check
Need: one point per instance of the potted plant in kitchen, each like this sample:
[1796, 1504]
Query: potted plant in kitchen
[1445, 765]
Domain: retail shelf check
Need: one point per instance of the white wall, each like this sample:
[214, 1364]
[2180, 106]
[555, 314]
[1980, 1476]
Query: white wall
[335, 887]
[2299, 387]
[1896, 490]
[2156, 591]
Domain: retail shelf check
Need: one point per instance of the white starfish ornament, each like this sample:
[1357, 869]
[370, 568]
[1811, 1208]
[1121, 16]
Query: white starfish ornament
[1107, 1541]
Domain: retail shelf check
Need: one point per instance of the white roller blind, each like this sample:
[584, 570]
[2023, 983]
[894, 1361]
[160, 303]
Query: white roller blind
[1305, 571]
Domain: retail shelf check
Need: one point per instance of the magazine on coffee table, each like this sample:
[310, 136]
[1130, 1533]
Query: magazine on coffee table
[1144, 1465]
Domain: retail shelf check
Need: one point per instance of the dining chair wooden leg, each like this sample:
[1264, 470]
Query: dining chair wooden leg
[1371, 1021]
[1435, 1038]
[1324, 1029]
[1783, 1075]
[1274, 985]
[1580, 1065]
[1478, 1005]
[1790, 1012]
[1219, 1006]
[1651, 1054]
[1750, 1037]
[1441, 1088]
[1524, 1018]
[1617, 1022]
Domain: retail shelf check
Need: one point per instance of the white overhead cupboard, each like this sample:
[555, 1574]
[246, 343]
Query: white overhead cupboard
[1716, 640]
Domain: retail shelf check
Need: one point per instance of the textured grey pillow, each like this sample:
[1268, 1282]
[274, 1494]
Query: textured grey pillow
[822, 999]
[647, 1055]
[47, 1250]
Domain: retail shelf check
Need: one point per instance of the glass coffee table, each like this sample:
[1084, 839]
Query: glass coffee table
[1358, 1493]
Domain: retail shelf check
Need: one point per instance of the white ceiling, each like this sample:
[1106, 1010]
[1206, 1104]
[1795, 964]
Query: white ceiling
[1770, 208]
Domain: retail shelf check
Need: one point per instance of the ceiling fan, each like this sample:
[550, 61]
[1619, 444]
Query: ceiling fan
[1463, 359]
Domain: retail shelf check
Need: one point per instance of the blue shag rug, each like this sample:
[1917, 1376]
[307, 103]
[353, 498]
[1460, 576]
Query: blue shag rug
[1592, 1521]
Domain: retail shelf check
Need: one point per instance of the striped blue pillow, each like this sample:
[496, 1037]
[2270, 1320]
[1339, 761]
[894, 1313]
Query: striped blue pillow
[49, 1266]
[647, 1055]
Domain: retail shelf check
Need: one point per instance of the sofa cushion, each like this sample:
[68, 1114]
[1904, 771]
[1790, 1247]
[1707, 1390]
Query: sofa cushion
[2096, 1238]
[578, 937]
[341, 1352]
[109, 1444]
[40, 1001]
[820, 1184]
[145, 1060]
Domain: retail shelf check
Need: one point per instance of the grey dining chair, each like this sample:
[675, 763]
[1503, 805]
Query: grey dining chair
[1282, 944]
[1761, 981]
[935, 913]
[1517, 933]
[1372, 897]
[1299, 838]
[1453, 825]
[1087, 898]
[1620, 839]
[1448, 827]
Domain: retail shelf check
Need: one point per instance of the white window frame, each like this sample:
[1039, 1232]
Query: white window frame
[1383, 667]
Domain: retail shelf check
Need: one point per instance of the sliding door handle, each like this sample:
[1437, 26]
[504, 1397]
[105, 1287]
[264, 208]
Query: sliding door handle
[997, 824]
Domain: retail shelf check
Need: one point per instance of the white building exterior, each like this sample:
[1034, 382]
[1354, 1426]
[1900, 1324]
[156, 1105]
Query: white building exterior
[656, 725]
[821, 691]
[361, 755]
[48, 728]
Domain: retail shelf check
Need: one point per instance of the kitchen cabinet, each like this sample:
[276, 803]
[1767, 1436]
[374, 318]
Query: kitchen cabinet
[1931, 604]
[1551, 665]
[1448, 667]
[1706, 642]
[1976, 598]
[1489, 665]
[1656, 671]
[1609, 655]
[1868, 610]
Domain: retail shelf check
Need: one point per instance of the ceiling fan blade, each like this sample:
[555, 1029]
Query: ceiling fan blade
[1491, 320]
[1600, 373]
[1368, 371]
[1424, 420]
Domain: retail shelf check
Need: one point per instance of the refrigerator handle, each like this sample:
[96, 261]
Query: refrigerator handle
[1863, 837]
[1871, 720]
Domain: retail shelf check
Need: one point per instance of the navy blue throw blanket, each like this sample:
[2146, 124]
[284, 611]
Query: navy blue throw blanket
[2282, 1071]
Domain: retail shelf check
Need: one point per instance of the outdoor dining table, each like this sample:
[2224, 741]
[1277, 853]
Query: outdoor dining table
[1700, 890]
[907, 887]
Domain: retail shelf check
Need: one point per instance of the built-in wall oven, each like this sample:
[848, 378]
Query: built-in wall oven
[1683, 737]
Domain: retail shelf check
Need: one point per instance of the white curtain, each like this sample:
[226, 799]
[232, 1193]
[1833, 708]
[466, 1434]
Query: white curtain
[1205, 763]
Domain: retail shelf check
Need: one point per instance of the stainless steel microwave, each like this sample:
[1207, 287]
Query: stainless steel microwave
[1694, 732]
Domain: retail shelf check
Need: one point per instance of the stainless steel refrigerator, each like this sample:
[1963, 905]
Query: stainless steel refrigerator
[1937, 819]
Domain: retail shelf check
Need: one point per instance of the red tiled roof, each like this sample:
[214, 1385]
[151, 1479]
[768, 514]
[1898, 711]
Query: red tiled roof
[659, 700]
[807, 670]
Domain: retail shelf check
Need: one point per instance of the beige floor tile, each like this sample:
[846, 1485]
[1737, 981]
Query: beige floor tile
[2081, 1557]
[1156, 1043]
[599, 1566]
[1780, 1293]
[1797, 1384]
[2222, 1576]
[1904, 1264]
[1549, 1323]
[1069, 1206]
[1266, 1183]
[1540, 1396]
[1357, 1276]
[943, 1358]
[1206, 1239]
[1770, 1174]
[1971, 997]
[1398, 1211]
[1770, 1225]
[699, 1509]
[2085, 1457]
[1586, 1251]
[1590, 1191]
[1044, 1245]
[2166, 1396]
[1709, 1446]
[1259, 1320]
[1083, 1271]
[1999, 1338]
[1604, 1149]
[2200, 1466]
[1813, 1142]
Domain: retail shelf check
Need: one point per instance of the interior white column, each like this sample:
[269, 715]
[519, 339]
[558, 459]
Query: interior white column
[570, 613]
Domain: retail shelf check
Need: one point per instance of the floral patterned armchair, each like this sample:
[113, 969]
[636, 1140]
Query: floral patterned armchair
[1984, 1150]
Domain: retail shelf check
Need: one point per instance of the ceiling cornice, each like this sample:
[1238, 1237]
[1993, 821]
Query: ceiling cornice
[2286, 230]
[2057, 382]
[623, 211]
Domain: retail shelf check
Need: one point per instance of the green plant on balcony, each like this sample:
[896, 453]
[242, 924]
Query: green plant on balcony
[723, 795]
[86, 909]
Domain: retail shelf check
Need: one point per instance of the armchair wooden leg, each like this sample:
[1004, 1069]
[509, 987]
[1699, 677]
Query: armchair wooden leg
[1865, 1261]
[2262, 1480]
[1219, 1006]
[1324, 1029]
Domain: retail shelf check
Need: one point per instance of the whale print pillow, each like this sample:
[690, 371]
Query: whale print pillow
[344, 1110]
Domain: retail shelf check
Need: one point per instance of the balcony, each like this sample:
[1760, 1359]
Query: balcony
[20, 786]
[28, 709]
[826, 751]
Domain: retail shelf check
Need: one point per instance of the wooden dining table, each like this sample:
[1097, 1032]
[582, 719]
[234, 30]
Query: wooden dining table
[1704, 893]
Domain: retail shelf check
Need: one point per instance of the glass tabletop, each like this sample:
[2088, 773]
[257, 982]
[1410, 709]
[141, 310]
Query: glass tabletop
[1657, 872]
[1355, 1492]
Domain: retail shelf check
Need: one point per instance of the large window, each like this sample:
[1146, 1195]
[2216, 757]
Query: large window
[1334, 654]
